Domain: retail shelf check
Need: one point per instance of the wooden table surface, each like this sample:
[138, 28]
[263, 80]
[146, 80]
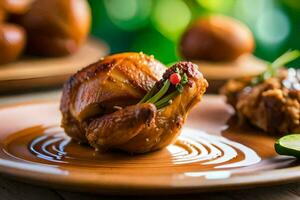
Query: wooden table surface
[13, 190]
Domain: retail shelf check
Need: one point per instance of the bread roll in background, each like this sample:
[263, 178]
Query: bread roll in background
[222, 47]
[2, 15]
[15, 6]
[56, 27]
[12, 42]
[12, 36]
[216, 38]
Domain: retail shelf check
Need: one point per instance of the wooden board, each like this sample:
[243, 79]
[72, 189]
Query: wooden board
[217, 73]
[32, 73]
[28, 143]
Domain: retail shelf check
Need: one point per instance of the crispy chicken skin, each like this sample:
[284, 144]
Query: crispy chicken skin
[160, 127]
[132, 127]
[117, 80]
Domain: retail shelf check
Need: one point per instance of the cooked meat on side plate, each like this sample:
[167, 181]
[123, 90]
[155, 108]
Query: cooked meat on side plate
[272, 105]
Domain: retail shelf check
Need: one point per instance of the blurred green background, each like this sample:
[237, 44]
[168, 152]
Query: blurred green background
[155, 26]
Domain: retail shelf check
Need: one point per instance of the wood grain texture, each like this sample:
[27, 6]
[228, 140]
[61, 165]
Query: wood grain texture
[217, 73]
[245, 65]
[40, 73]
[13, 190]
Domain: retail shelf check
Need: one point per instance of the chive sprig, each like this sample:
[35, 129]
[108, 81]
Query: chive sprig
[162, 97]
[272, 68]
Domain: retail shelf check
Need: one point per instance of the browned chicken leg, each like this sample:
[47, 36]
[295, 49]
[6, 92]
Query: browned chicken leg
[148, 129]
[115, 81]
[133, 127]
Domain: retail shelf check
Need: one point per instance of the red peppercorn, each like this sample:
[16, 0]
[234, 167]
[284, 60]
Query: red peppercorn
[175, 78]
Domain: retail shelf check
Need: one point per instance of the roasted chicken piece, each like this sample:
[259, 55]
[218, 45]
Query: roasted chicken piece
[106, 111]
[143, 127]
[103, 87]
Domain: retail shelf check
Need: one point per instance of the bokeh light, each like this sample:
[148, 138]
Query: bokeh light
[155, 26]
[171, 17]
[293, 4]
[129, 14]
[249, 11]
[153, 43]
[273, 27]
[216, 5]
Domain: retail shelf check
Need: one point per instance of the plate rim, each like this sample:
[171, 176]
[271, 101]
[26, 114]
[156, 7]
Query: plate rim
[75, 183]
[103, 185]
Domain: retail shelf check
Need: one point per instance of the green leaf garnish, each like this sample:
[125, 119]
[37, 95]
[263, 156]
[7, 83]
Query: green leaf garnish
[272, 68]
[184, 79]
[148, 95]
[177, 70]
[179, 88]
[156, 95]
[167, 98]
[160, 93]
[286, 58]
[163, 105]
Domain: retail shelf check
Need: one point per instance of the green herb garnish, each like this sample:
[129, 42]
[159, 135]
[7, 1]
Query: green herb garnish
[158, 98]
[272, 68]
[167, 98]
[148, 95]
[160, 93]
[184, 79]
